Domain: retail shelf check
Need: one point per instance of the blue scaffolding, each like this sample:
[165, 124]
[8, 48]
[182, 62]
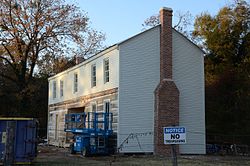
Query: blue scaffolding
[91, 131]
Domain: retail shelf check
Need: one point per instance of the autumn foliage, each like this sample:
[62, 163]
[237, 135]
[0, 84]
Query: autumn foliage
[39, 38]
[226, 39]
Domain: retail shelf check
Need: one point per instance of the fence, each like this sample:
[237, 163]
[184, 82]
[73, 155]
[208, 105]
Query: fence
[217, 144]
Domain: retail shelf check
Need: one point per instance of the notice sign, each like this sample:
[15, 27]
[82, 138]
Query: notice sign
[174, 135]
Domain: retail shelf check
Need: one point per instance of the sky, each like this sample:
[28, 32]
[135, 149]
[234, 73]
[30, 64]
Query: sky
[121, 19]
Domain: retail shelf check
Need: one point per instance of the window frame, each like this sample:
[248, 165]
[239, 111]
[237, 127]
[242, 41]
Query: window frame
[61, 88]
[93, 75]
[75, 83]
[92, 104]
[54, 89]
[91, 118]
[104, 106]
[106, 72]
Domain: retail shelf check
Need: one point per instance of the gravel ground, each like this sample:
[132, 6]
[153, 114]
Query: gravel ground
[51, 155]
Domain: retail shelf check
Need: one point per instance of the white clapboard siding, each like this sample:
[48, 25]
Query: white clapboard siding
[84, 77]
[188, 74]
[135, 70]
[139, 76]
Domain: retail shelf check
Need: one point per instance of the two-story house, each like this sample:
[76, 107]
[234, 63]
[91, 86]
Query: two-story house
[149, 81]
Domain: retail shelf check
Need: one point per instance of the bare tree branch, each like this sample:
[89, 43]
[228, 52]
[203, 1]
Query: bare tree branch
[33, 30]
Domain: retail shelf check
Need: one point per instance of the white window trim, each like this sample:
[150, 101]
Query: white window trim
[75, 83]
[61, 88]
[54, 89]
[57, 126]
[92, 78]
[91, 110]
[104, 70]
[91, 104]
[104, 105]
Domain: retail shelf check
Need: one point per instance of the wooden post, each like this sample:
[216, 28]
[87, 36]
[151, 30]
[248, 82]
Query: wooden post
[174, 156]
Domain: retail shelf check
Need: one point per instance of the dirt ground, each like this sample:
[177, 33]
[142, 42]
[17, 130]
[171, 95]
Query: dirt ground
[50, 155]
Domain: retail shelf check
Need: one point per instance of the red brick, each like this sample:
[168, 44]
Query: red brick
[166, 94]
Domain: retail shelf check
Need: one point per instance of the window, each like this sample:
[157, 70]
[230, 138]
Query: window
[93, 75]
[93, 107]
[107, 109]
[75, 82]
[107, 106]
[61, 88]
[92, 114]
[56, 127]
[54, 89]
[106, 70]
[50, 117]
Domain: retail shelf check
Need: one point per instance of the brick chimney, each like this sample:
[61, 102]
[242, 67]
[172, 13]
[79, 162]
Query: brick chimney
[166, 43]
[79, 60]
[166, 93]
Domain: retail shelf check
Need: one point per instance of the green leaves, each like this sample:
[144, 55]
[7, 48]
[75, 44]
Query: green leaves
[226, 38]
[224, 33]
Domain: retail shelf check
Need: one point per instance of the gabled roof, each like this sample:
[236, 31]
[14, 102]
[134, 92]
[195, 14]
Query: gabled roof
[160, 26]
[110, 48]
[117, 45]
[138, 34]
[189, 40]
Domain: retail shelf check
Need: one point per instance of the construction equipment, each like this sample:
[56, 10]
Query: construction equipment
[92, 132]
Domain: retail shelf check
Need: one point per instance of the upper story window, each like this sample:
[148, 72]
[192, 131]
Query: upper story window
[75, 82]
[106, 70]
[61, 88]
[54, 89]
[93, 75]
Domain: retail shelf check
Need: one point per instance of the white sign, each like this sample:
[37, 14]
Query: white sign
[174, 135]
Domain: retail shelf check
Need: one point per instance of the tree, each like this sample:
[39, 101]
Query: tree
[184, 21]
[32, 30]
[226, 35]
[226, 39]
[50, 66]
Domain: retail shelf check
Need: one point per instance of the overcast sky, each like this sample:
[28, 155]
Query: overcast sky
[121, 19]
